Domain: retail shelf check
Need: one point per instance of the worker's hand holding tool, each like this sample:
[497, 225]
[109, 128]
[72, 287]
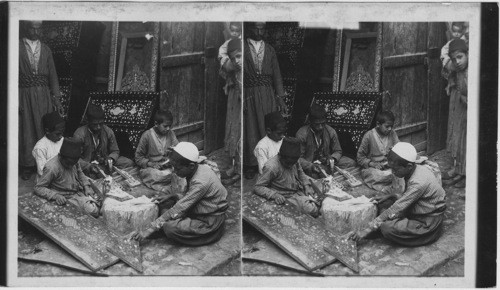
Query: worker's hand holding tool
[88, 191]
[376, 165]
[309, 190]
[60, 200]
[359, 235]
[94, 168]
[380, 199]
[109, 164]
[278, 198]
[164, 198]
[332, 165]
[141, 235]
[155, 165]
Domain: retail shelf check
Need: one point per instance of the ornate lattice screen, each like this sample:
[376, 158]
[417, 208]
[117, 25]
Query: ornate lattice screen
[127, 113]
[351, 114]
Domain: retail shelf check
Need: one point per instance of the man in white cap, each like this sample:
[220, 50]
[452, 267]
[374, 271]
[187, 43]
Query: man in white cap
[415, 219]
[198, 217]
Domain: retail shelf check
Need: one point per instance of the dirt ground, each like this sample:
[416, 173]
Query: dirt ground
[448, 264]
[160, 257]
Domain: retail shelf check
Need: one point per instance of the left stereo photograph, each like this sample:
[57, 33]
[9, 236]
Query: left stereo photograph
[129, 148]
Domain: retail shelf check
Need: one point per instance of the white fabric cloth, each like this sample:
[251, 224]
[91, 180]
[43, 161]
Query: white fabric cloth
[256, 44]
[44, 150]
[265, 150]
[33, 44]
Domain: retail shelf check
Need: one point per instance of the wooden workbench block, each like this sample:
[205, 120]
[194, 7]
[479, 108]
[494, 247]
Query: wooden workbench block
[125, 217]
[343, 217]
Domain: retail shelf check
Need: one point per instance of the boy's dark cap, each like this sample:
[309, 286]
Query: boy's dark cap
[290, 147]
[50, 120]
[272, 119]
[95, 112]
[233, 45]
[317, 112]
[458, 45]
[71, 148]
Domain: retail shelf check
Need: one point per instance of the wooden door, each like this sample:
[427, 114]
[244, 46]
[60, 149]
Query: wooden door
[438, 100]
[411, 74]
[189, 78]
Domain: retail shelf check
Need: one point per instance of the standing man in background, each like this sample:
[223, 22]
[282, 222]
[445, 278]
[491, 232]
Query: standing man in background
[263, 90]
[38, 92]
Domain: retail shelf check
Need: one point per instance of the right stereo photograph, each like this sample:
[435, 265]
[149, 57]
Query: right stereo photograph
[354, 149]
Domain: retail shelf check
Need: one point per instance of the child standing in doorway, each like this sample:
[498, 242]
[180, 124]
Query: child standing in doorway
[458, 30]
[235, 33]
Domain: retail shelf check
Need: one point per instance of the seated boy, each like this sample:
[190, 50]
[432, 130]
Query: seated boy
[198, 217]
[63, 180]
[51, 143]
[269, 146]
[373, 150]
[99, 144]
[415, 219]
[320, 145]
[152, 151]
[283, 179]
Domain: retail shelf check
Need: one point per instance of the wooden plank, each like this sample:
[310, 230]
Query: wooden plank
[184, 129]
[361, 34]
[419, 137]
[266, 252]
[345, 66]
[346, 251]
[83, 236]
[49, 253]
[398, 61]
[182, 60]
[299, 235]
[422, 146]
[409, 129]
[128, 251]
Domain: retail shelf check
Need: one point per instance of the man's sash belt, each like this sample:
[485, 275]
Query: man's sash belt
[259, 80]
[27, 81]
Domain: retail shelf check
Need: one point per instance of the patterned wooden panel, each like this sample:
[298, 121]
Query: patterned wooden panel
[65, 86]
[266, 252]
[129, 252]
[63, 60]
[346, 251]
[299, 235]
[128, 112]
[57, 34]
[63, 38]
[83, 236]
[290, 86]
[351, 112]
[48, 252]
[287, 39]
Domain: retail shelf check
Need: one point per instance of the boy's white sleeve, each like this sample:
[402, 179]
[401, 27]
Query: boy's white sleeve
[223, 57]
[40, 158]
[445, 58]
[261, 156]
